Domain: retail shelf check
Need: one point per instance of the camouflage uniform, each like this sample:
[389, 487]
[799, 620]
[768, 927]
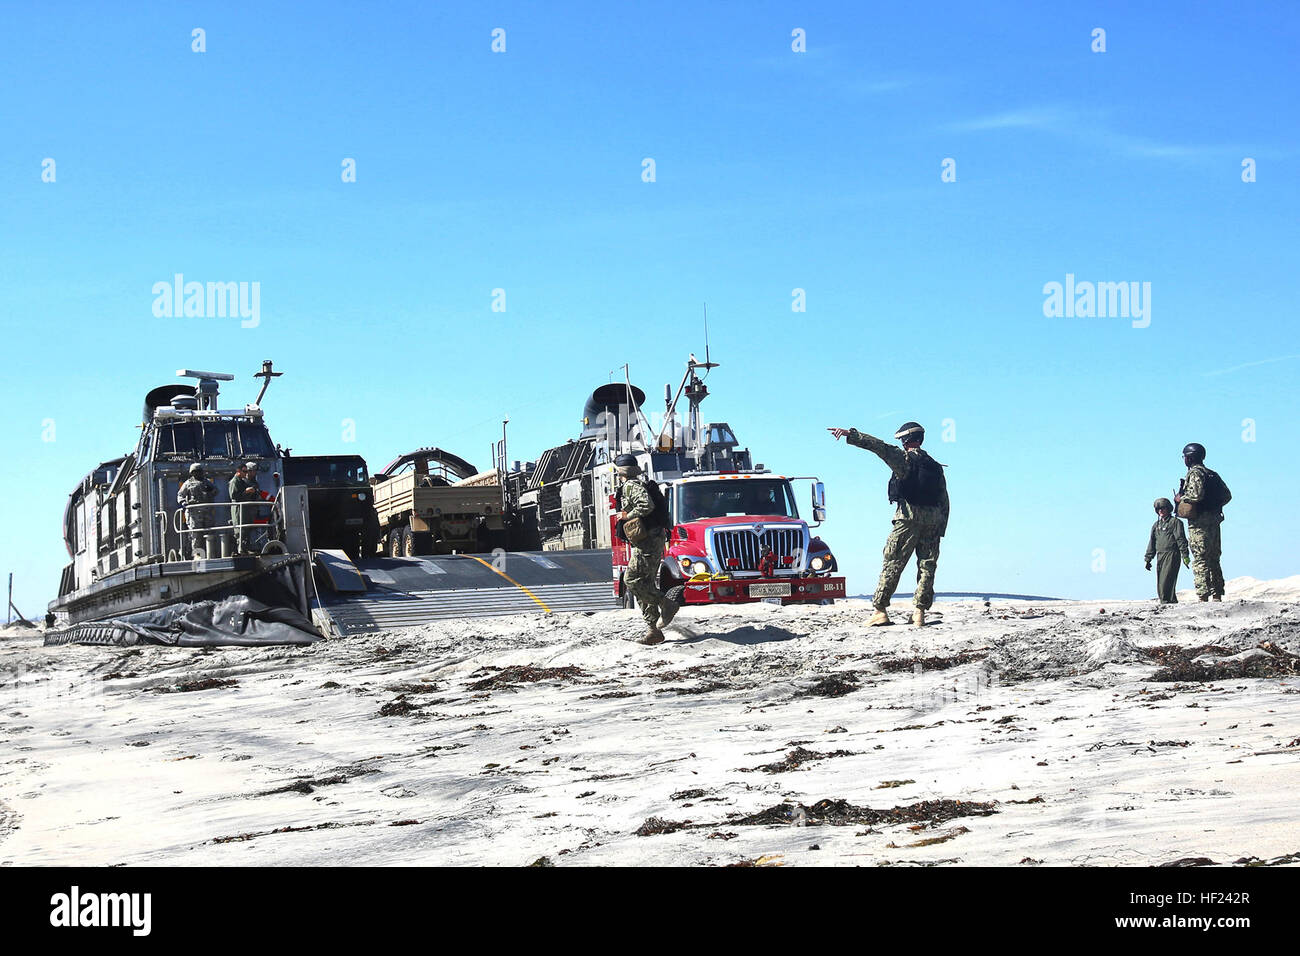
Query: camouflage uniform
[1203, 536]
[643, 559]
[244, 491]
[1168, 545]
[198, 491]
[916, 528]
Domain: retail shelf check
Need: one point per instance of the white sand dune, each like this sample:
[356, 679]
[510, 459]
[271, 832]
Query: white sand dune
[1044, 720]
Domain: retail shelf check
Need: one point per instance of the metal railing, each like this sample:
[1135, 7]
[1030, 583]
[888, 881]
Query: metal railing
[272, 523]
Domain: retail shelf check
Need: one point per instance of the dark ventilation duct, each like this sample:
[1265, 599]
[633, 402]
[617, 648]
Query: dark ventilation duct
[609, 401]
[162, 396]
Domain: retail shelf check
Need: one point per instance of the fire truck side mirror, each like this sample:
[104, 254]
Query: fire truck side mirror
[819, 501]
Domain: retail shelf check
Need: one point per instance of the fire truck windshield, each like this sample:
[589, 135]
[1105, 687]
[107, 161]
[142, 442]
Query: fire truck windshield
[735, 497]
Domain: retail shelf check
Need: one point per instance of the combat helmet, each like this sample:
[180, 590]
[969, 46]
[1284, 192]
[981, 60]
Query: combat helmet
[626, 465]
[196, 469]
[910, 431]
[1164, 503]
[1195, 451]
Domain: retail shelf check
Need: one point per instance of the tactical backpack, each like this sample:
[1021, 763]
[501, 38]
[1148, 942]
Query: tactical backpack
[922, 485]
[658, 518]
[1216, 493]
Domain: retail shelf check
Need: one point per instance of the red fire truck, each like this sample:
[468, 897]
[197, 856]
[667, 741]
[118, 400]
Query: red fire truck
[737, 537]
[736, 534]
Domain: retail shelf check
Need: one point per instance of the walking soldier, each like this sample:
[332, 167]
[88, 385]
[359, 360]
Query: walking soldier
[643, 520]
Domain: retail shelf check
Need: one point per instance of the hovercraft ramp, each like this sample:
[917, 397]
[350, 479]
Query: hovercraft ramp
[384, 593]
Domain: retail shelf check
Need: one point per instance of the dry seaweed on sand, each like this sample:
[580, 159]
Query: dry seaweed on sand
[843, 813]
[1176, 653]
[206, 683]
[527, 674]
[1182, 664]
[832, 685]
[654, 826]
[895, 664]
[245, 837]
[931, 841]
[797, 758]
[704, 687]
[1284, 860]
[399, 708]
[421, 687]
[309, 784]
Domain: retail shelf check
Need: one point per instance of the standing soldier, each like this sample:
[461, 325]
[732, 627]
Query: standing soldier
[243, 488]
[1168, 543]
[198, 489]
[644, 527]
[920, 490]
[1201, 497]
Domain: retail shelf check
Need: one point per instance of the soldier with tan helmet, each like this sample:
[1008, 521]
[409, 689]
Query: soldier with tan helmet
[199, 490]
[920, 491]
[1167, 544]
[244, 490]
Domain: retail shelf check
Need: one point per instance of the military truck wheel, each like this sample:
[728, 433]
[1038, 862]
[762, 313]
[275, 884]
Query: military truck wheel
[407, 543]
[394, 548]
[370, 537]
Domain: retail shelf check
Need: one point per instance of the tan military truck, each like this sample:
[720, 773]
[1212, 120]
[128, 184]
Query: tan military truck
[430, 501]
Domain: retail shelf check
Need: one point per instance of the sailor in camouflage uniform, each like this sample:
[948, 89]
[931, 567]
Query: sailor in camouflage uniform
[645, 557]
[917, 527]
[198, 489]
[243, 489]
[1167, 543]
[1203, 523]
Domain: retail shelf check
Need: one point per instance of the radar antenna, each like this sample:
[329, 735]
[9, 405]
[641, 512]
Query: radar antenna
[206, 393]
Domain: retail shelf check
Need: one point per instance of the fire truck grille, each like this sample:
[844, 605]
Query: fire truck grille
[743, 548]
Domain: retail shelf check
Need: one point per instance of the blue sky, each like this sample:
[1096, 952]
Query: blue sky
[775, 171]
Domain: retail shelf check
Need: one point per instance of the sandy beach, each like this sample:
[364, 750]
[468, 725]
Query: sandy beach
[1010, 734]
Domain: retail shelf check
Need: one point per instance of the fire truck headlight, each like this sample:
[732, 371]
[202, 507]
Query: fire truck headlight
[699, 567]
[821, 563]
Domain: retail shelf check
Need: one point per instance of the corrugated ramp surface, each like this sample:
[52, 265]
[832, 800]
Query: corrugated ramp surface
[406, 592]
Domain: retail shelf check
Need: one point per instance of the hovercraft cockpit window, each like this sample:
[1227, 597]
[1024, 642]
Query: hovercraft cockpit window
[178, 439]
[254, 442]
[217, 439]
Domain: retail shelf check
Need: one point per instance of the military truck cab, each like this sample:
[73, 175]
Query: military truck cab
[341, 507]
